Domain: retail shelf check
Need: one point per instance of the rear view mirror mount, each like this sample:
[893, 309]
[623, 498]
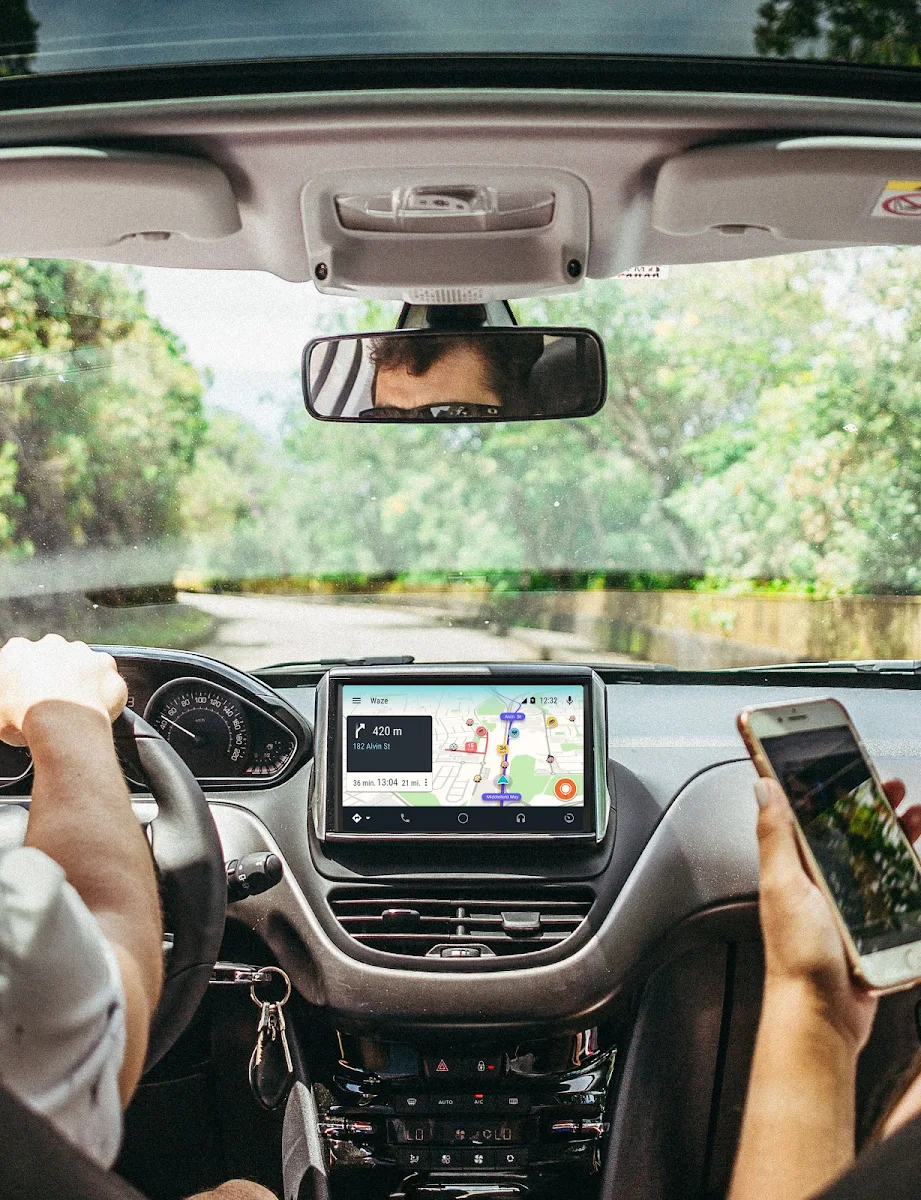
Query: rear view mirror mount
[506, 373]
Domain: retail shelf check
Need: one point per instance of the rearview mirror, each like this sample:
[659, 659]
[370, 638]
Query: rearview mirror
[490, 374]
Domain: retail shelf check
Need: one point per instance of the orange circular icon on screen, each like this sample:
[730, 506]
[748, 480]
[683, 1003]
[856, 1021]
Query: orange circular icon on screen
[565, 788]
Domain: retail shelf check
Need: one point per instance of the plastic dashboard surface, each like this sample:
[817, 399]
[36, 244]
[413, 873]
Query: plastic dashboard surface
[684, 846]
[680, 854]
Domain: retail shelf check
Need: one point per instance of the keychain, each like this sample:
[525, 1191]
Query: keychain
[271, 1070]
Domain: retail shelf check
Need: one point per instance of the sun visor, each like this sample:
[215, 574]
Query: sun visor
[75, 200]
[833, 190]
[446, 235]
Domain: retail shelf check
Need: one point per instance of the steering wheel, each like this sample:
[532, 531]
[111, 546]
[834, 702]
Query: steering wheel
[193, 883]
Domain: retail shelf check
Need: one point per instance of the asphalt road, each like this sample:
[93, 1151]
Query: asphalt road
[254, 631]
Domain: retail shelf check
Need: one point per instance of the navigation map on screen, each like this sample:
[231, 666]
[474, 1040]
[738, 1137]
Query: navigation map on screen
[468, 749]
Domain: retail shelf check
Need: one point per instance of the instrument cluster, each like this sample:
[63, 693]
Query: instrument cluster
[229, 729]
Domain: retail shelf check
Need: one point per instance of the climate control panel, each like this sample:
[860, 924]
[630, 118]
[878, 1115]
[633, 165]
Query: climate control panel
[527, 1109]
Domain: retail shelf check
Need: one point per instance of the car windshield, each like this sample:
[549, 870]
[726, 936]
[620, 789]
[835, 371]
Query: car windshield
[54, 35]
[750, 493]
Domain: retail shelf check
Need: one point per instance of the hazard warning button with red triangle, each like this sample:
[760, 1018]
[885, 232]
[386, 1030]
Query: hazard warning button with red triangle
[440, 1068]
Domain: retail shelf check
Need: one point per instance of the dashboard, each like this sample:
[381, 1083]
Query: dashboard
[229, 729]
[577, 996]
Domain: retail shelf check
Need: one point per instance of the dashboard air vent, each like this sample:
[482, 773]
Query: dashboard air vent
[504, 922]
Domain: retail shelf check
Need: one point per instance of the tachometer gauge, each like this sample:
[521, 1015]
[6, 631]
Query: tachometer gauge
[271, 755]
[204, 723]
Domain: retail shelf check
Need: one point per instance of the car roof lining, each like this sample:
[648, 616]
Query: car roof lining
[271, 147]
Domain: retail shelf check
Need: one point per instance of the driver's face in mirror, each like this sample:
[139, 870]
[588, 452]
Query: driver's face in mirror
[458, 375]
[471, 371]
[475, 374]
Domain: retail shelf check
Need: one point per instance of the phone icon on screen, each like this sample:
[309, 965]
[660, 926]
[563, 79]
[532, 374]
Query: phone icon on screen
[403, 817]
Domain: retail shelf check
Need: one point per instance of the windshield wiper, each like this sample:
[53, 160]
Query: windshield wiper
[873, 666]
[384, 660]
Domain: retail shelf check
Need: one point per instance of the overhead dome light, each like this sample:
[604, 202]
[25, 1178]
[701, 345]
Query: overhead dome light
[480, 233]
[448, 209]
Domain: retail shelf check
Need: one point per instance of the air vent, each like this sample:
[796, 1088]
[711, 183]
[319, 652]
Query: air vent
[507, 922]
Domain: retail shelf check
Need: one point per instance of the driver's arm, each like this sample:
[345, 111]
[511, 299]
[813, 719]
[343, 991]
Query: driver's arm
[60, 698]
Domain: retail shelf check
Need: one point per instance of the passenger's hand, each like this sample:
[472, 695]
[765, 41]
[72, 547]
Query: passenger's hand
[55, 670]
[803, 948]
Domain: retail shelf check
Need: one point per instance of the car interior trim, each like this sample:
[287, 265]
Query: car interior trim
[362, 72]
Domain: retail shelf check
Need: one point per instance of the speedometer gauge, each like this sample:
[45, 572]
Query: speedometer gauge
[204, 723]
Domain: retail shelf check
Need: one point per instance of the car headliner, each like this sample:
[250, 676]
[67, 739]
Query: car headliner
[271, 147]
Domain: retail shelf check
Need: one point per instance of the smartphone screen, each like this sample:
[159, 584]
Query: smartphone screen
[868, 863]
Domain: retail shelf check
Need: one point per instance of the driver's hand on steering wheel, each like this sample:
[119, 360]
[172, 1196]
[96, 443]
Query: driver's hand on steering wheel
[55, 670]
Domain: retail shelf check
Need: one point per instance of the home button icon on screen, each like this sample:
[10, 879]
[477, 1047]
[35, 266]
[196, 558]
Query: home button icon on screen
[462, 818]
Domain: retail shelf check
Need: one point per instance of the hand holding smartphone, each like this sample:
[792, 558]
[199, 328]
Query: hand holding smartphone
[852, 843]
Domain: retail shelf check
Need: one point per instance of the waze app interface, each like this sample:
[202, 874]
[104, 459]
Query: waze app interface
[463, 757]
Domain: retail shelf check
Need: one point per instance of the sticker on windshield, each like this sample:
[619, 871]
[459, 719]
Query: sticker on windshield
[649, 272]
[899, 198]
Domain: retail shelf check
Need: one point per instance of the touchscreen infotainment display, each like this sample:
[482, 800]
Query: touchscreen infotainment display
[469, 757]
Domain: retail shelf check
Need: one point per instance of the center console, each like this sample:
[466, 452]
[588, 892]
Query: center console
[532, 1111]
[461, 823]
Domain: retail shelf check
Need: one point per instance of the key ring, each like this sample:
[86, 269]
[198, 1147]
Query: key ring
[266, 971]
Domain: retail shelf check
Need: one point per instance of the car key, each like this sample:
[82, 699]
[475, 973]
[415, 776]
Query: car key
[271, 1070]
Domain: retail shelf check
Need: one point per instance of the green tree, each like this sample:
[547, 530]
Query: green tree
[880, 32]
[686, 358]
[18, 37]
[826, 492]
[763, 423]
[100, 409]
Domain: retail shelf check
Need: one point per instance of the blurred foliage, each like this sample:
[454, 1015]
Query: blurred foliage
[100, 410]
[820, 482]
[878, 32]
[762, 430]
[762, 427]
[18, 37]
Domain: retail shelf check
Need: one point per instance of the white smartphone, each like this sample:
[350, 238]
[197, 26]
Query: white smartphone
[852, 843]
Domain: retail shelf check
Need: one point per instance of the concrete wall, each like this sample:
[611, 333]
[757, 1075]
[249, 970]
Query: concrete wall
[699, 629]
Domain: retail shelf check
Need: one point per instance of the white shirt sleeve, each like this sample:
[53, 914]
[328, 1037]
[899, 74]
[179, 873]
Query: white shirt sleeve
[62, 1005]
